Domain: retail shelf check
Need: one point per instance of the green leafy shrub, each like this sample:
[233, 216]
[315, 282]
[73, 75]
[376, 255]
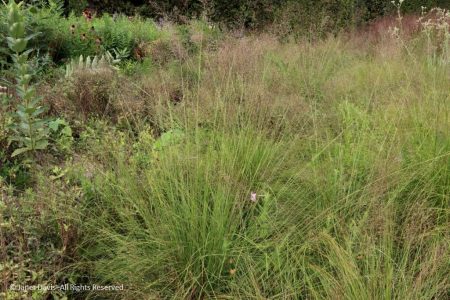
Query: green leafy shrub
[4, 51]
[71, 37]
[64, 38]
[61, 135]
[116, 34]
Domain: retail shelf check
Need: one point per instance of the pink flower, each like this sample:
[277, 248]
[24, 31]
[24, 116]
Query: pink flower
[253, 197]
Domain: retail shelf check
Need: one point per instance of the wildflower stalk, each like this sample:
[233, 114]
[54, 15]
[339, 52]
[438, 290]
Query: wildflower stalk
[29, 131]
[398, 31]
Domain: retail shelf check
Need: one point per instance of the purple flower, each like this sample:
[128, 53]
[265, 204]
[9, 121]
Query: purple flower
[253, 197]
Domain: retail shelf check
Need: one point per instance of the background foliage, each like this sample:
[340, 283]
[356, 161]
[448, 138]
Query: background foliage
[252, 13]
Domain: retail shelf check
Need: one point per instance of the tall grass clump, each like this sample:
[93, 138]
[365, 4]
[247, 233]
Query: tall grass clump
[199, 205]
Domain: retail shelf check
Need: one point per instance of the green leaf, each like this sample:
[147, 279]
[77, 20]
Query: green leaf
[17, 45]
[30, 110]
[53, 126]
[32, 36]
[33, 10]
[17, 30]
[38, 111]
[20, 151]
[24, 126]
[67, 131]
[41, 145]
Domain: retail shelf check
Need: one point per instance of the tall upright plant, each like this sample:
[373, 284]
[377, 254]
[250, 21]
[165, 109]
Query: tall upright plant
[29, 130]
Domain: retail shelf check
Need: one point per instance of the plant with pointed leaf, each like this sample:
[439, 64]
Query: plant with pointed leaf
[30, 131]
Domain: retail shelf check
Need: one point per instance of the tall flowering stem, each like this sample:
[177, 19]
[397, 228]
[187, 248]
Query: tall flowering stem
[30, 132]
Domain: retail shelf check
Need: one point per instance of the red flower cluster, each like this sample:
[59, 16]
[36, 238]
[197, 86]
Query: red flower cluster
[87, 14]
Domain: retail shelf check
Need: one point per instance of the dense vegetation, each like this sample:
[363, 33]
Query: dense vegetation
[253, 13]
[185, 160]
